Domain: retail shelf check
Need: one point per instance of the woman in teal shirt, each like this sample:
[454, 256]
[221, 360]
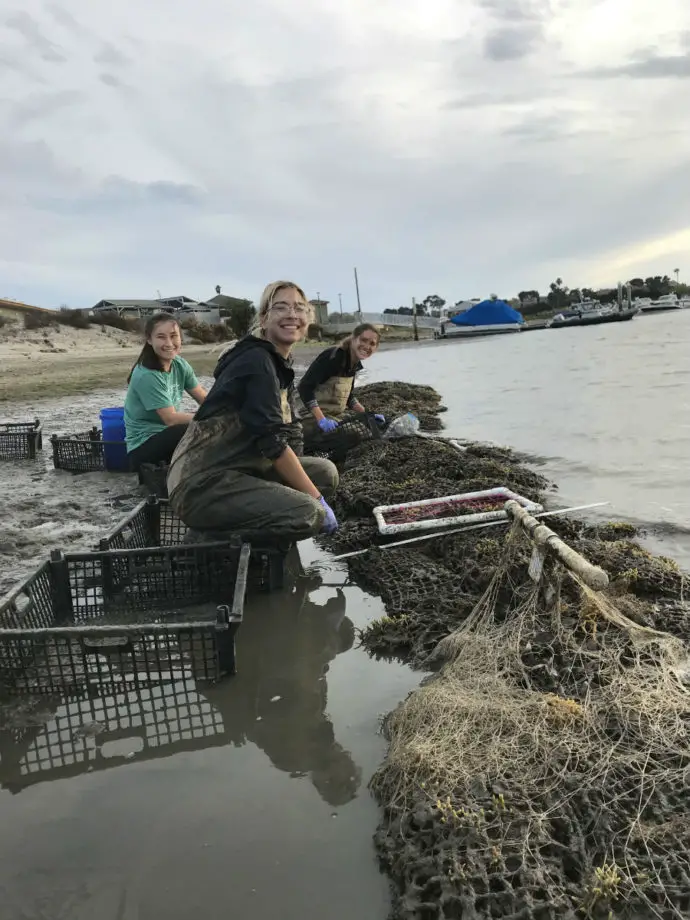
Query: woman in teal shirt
[158, 381]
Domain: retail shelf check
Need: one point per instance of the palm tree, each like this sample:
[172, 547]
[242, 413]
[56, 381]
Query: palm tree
[676, 272]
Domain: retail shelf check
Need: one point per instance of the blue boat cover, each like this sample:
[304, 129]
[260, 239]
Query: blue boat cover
[488, 313]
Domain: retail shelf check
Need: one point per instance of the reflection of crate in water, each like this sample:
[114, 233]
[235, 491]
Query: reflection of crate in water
[124, 618]
[97, 732]
[20, 440]
[449, 510]
[153, 523]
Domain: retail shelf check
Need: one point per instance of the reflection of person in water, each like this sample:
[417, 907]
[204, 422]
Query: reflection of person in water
[278, 698]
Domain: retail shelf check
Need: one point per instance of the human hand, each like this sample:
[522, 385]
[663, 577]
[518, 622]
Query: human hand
[327, 424]
[381, 419]
[330, 524]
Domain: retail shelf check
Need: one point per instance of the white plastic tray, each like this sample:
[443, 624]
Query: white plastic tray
[432, 523]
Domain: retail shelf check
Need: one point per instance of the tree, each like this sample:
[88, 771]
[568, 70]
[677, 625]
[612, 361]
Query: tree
[528, 297]
[657, 286]
[559, 296]
[240, 315]
[432, 302]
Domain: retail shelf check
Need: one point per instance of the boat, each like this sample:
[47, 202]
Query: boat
[489, 317]
[663, 303]
[591, 318]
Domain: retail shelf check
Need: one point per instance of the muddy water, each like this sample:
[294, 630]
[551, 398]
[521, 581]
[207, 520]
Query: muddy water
[251, 799]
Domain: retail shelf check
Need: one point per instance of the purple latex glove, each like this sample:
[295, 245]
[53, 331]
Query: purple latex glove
[327, 424]
[330, 525]
[381, 419]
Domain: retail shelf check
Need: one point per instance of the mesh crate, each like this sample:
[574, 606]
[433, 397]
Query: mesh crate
[124, 618]
[353, 430]
[153, 523]
[83, 452]
[99, 731]
[154, 478]
[20, 440]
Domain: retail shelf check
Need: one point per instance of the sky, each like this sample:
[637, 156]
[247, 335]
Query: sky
[451, 147]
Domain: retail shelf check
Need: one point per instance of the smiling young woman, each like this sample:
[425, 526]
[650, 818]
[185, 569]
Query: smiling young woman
[327, 388]
[237, 468]
[154, 424]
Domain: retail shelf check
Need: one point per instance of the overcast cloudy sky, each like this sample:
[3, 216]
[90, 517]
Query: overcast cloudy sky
[456, 147]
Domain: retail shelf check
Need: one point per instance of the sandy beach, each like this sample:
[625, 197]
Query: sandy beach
[61, 361]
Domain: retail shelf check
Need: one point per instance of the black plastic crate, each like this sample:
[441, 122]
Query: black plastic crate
[20, 440]
[353, 430]
[124, 619]
[83, 452]
[153, 523]
[154, 478]
[98, 731]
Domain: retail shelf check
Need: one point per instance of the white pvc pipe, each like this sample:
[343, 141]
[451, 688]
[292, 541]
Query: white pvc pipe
[448, 533]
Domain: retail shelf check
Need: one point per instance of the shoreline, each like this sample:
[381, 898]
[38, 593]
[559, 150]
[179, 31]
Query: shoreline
[44, 375]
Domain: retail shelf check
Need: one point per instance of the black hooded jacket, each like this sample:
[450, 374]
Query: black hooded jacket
[249, 379]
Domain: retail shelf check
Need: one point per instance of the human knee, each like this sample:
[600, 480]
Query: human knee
[323, 473]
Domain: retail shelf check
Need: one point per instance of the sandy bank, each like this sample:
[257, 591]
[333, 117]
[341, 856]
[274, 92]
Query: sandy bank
[50, 363]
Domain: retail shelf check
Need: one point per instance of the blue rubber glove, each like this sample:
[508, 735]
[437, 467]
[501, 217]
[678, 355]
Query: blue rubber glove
[381, 419]
[327, 424]
[330, 525]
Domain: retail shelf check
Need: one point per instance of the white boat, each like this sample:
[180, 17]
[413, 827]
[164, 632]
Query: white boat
[665, 302]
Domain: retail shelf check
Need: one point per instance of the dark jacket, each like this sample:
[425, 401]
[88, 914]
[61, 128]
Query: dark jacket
[250, 379]
[246, 421]
[333, 362]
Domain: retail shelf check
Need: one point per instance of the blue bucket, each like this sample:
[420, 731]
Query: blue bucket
[114, 448]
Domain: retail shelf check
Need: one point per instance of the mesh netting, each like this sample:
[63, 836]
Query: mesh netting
[393, 398]
[543, 772]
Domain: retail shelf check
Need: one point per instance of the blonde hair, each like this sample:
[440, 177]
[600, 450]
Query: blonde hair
[268, 299]
[265, 304]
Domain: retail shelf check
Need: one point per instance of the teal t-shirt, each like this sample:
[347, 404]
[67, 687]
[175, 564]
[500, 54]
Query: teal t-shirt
[151, 390]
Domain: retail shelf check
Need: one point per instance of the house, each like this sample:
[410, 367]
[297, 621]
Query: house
[320, 311]
[180, 306]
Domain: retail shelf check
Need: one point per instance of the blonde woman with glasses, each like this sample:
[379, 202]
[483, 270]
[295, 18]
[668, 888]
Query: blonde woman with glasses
[237, 469]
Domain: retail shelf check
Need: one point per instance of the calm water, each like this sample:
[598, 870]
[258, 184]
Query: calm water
[251, 800]
[606, 407]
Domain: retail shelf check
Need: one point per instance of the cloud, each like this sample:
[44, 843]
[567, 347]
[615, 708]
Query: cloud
[27, 26]
[648, 65]
[40, 105]
[511, 44]
[457, 146]
[109, 54]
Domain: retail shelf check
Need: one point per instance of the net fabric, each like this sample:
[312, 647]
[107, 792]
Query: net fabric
[543, 772]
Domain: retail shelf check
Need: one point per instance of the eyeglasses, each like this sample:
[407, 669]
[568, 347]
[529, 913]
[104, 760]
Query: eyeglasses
[282, 308]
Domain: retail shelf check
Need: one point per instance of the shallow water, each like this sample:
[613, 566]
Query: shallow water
[251, 799]
[606, 408]
[247, 799]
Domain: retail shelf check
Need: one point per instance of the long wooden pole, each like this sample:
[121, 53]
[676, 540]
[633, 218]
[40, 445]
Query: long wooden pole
[359, 305]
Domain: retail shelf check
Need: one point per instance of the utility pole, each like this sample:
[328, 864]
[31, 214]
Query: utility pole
[359, 305]
[340, 301]
[414, 319]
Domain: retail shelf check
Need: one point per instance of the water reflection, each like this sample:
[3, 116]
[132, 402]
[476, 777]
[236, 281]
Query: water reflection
[277, 701]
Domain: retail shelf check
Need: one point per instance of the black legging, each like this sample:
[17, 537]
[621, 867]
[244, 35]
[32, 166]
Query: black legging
[159, 448]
